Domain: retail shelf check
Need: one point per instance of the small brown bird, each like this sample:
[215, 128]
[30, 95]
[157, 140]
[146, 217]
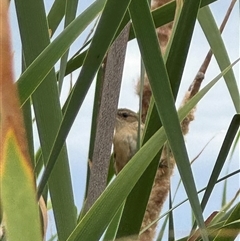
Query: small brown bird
[125, 138]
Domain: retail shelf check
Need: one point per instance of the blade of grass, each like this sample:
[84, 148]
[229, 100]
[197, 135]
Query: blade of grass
[18, 188]
[181, 40]
[113, 226]
[103, 37]
[28, 127]
[214, 38]
[161, 16]
[171, 235]
[71, 8]
[28, 121]
[164, 99]
[42, 65]
[27, 116]
[20, 211]
[134, 209]
[163, 227]
[231, 228]
[234, 148]
[225, 148]
[33, 26]
[184, 111]
[98, 217]
[165, 13]
[223, 213]
[56, 14]
[200, 191]
[140, 189]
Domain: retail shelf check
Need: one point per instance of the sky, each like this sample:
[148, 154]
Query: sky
[213, 115]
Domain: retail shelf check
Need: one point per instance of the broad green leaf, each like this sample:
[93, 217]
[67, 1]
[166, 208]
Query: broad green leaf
[183, 112]
[153, 122]
[133, 212]
[38, 70]
[46, 103]
[18, 193]
[133, 209]
[163, 97]
[103, 37]
[138, 190]
[104, 209]
[161, 16]
[98, 217]
[216, 43]
[19, 208]
[181, 40]
[93, 224]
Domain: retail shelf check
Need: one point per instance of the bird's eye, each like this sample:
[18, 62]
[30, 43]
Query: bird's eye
[124, 114]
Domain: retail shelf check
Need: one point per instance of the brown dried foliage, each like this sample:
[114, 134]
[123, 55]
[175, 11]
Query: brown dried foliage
[9, 106]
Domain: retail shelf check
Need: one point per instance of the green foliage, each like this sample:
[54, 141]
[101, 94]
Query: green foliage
[118, 210]
[15, 172]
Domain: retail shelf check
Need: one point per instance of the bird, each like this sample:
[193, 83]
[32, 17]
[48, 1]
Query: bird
[125, 137]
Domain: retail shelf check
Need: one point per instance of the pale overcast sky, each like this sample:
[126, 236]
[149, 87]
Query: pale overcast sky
[213, 115]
